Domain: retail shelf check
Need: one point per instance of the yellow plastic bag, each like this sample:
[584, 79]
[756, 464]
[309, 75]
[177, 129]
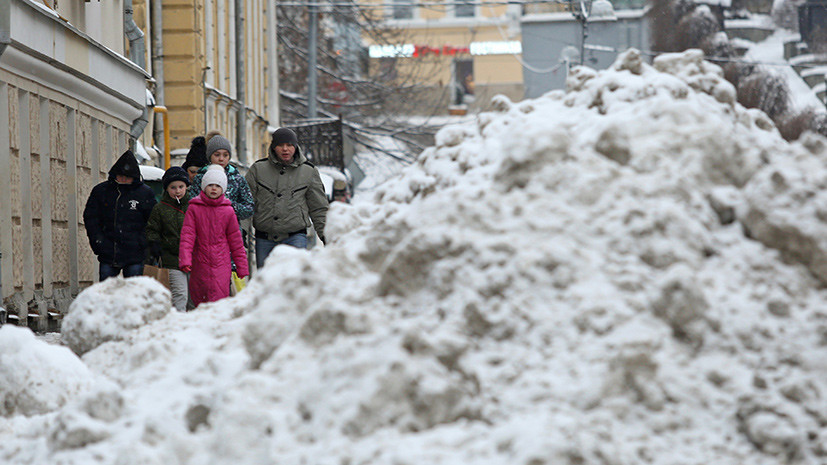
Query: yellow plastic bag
[238, 283]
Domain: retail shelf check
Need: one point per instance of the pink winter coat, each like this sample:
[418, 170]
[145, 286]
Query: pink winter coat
[209, 237]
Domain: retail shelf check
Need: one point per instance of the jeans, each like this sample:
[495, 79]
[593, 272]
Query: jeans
[265, 246]
[106, 270]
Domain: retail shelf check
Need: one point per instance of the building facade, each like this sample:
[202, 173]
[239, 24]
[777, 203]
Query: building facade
[214, 63]
[476, 48]
[553, 42]
[69, 102]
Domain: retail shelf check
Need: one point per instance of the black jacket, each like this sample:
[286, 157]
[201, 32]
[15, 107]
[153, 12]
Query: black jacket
[116, 214]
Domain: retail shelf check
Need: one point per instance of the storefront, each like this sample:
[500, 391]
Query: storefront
[464, 66]
[471, 52]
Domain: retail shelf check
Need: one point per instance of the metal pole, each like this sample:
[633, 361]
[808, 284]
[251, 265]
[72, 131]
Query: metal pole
[204, 86]
[581, 11]
[241, 83]
[272, 67]
[158, 68]
[584, 32]
[311, 62]
[2, 310]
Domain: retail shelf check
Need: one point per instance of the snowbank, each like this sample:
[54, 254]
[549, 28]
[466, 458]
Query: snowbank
[108, 310]
[568, 280]
[37, 377]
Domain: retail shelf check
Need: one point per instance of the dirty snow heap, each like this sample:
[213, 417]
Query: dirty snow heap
[628, 272]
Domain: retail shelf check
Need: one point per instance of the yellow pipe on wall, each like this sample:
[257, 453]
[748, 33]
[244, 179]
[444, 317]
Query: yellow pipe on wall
[165, 115]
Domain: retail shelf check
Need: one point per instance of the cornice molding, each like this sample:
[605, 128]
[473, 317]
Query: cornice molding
[25, 65]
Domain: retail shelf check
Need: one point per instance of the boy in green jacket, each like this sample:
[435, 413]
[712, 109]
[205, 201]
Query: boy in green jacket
[163, 231]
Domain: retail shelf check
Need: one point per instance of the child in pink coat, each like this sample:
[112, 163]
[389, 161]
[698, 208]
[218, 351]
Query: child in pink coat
[211, 241]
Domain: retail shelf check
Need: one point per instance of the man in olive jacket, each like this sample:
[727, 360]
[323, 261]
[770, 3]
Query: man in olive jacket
[288, 194]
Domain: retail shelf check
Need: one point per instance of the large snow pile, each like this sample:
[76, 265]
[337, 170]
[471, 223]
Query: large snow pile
[108, 310]
[608, 275]
[35, 376]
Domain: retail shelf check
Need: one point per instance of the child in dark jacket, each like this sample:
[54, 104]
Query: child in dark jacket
[211, 240]
[163, 231]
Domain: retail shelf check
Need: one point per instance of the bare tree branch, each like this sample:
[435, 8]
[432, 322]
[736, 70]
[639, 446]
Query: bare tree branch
[371, 96]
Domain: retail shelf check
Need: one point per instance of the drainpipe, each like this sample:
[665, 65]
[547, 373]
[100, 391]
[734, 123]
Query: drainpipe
[272, 68]
[5, 40]
[165, 118]
[241, 84]
[312, 46]
[137, 53]
[157, 28]
[5, 26]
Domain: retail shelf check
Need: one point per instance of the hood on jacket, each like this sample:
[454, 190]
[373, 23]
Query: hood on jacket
[202, 199]
[126, 165]
[298, 158]
[229, 170]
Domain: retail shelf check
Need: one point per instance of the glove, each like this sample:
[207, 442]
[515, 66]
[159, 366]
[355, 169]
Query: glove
[321, 238]
[186, 268]
[155, 250]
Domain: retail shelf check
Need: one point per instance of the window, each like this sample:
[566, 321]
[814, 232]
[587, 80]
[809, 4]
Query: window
[402, 9]
[465, 10]
[463, 81]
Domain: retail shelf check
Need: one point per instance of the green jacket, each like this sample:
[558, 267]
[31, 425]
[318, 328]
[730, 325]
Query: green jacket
[164, 226]
[287, 196]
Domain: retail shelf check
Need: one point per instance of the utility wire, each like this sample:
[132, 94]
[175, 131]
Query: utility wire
[520, 59]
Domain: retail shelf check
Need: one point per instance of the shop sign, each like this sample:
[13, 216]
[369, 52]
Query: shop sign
[513, 47]
[389, 51]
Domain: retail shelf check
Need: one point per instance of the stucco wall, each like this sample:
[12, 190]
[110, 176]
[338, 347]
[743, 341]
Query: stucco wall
[58, 149]
[200, 78]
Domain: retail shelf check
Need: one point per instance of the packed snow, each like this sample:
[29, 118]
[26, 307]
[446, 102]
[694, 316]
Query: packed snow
[631, 271]
[113, 308]
[770, 53]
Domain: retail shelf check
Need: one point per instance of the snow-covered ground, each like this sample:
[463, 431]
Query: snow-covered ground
[378, 166]
[630, 272]
[386, 157]
[770, 53]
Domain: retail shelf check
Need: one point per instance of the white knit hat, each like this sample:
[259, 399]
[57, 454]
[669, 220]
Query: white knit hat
[214, 175]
